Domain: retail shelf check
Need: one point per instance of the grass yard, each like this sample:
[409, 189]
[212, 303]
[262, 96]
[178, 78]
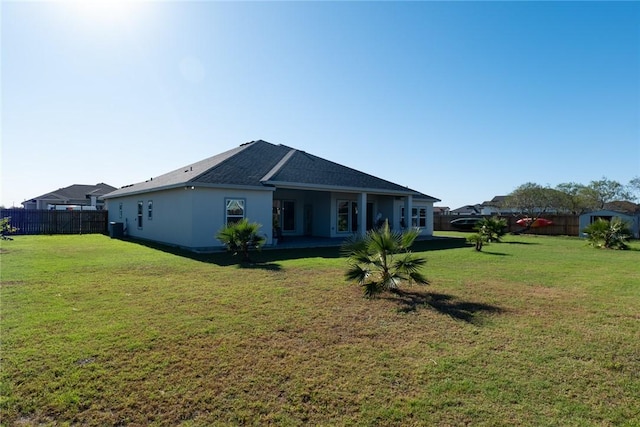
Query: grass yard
[536, 331]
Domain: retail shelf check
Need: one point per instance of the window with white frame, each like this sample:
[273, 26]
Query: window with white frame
[419, 217]
[150, 210]
[120, 210]
[234, 210]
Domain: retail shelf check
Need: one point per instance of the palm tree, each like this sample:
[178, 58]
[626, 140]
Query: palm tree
[478, 240]
[241, 237]
[608, 234]
[380, 260]
[492, 228]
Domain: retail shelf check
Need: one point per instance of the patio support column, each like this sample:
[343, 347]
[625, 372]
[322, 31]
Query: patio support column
[362, 214]
[408, 208]
[429, 226]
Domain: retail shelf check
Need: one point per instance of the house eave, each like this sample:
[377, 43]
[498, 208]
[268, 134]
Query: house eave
[346, 189]
[186, 186]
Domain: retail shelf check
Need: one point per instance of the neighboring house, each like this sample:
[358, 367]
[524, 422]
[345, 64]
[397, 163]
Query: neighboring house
[441, 210]
[273, 185]
[74, 195]
[467, 210]
[630, 215]
[494, 206]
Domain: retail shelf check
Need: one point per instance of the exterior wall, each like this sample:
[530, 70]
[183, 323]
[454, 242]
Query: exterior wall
[384, 206]
[172, 221]
[320, 202]
[189, 218]
[427, 230]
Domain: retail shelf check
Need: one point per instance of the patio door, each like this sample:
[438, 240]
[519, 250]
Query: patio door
[347, 216]
[284, 215]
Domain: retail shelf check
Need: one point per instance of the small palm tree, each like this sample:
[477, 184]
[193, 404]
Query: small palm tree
[492, 228]
[241, 237]
[478, 239]
[381, 260]
[608, 234]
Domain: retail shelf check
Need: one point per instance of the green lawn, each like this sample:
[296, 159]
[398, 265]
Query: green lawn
[537, 331]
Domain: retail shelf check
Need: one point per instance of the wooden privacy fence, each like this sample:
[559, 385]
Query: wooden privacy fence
[32, 221]
[563, 225]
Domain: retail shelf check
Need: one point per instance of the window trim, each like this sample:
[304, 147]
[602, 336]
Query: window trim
[226, 209]
[150, 210]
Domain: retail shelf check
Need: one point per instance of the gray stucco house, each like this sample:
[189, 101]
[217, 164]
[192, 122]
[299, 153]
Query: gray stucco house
[274, 185]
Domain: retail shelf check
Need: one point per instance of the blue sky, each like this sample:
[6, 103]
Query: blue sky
[462, 101]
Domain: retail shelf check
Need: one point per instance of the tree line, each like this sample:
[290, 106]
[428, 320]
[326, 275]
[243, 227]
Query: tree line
[533, 199]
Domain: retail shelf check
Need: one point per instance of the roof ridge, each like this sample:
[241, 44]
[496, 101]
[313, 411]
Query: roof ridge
[242, 147]
[279, 165]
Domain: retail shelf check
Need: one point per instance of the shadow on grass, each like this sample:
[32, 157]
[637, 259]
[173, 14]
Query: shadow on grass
[495, 253]
[269, 257]
[271, 266]
[519, 243]
[444, 304]
[439, 243]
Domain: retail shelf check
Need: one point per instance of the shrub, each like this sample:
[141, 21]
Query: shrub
[6, 228]
[492, 228]
[380, 260]
[478, 239]
[612, 234]
[241, 237]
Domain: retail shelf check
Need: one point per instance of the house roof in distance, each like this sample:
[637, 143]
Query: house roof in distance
[260, 164]
[76, 192]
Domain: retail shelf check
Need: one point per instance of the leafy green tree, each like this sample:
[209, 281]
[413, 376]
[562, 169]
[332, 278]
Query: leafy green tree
[532, 200]
[578, 198]
[381, 260]
[605, 234]
[634, 188]
[241, 237]
[608, 190]
[6, 228]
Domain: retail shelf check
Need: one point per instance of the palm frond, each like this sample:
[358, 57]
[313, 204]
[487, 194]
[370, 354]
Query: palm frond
[357, 274]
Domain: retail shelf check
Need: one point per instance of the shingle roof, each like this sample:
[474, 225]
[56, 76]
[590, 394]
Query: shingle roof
[76, 192]
[304, 168]
[262, 164]
[467, 210]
